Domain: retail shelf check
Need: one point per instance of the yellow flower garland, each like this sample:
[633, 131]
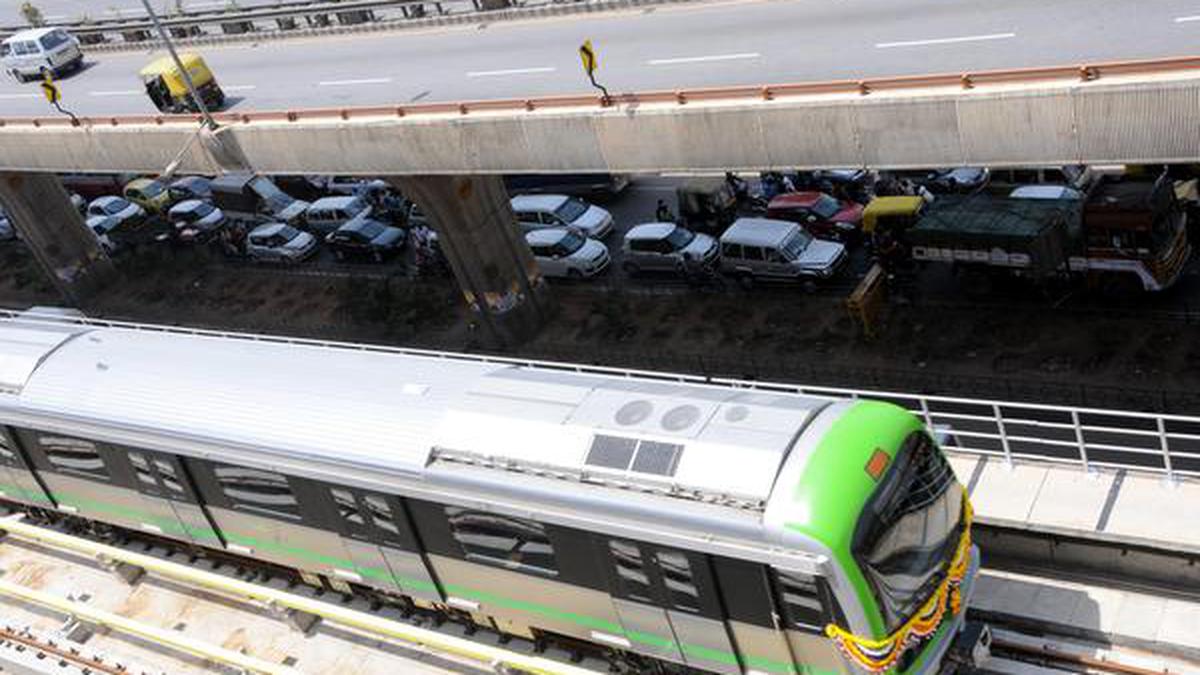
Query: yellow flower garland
[879, 655]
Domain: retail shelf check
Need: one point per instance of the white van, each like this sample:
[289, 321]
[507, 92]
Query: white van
[35, 52]
[760, 248]
[538, 212]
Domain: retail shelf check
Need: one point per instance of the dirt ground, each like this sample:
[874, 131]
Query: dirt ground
[1126, 360]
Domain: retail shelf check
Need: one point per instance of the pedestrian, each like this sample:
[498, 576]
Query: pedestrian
[663, 213]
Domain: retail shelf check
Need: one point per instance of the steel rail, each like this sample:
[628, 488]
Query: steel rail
[1086, 72]
[272, 598]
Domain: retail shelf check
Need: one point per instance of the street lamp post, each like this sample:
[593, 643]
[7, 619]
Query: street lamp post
[187, 77]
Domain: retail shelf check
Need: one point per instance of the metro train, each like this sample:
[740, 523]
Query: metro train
[669, 526]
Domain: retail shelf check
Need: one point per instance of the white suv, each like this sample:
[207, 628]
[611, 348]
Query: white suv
[759, 248]
[564, 252]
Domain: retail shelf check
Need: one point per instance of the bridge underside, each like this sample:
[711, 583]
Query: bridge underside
[1148, 119]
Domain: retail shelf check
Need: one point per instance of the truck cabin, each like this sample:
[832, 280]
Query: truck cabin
[1136, 219]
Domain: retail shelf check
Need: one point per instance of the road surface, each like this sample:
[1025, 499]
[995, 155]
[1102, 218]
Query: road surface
[739, 42]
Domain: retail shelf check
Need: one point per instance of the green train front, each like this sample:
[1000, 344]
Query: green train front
[876, 493]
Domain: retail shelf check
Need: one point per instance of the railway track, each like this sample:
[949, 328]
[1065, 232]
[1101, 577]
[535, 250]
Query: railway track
[1016, 652]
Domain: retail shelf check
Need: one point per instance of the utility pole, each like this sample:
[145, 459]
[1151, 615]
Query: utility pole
[187, 77]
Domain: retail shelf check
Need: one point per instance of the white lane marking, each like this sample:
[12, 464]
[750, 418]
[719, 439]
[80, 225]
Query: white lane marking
[511, 71]
[345, 83]
[122, 92]
[703, 59]
[945, 41]
[10, 96]
[1186, 19]
[240, 87]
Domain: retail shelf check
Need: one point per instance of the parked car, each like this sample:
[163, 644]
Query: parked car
[822, 215]
[538, 212]
[329, 213]
[102, 227]
[190, 187]
[567, 252]
[131, 226]
[962, 179]
[366, 238]
[36, 52]
[196, 221]
[350, 186]
[662, 247]
[7, 231]
[125, 211]
[148, 193]
[278, 242]
[760, 248]
[1045, 192]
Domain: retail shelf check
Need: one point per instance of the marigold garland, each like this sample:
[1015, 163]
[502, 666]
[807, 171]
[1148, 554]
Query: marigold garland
[878, 656]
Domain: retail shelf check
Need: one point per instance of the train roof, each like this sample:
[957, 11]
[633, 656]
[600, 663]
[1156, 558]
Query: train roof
[404, 411]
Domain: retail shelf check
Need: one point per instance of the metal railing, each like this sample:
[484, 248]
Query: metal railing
[679, 97]
[1090, 438]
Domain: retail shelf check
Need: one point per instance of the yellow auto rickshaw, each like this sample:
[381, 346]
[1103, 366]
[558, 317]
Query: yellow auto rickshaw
[891, 214]
[167, 89]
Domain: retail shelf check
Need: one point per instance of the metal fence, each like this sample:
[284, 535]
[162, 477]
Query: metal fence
[1087, 437]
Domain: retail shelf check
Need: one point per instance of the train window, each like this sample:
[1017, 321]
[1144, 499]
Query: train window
[800, 598]
[677, 577]
[141, 468]
[510, 542]
[170, 478]
[256, 490]
[632, 580]
[347, 507]
[381, 513]
[74, 455]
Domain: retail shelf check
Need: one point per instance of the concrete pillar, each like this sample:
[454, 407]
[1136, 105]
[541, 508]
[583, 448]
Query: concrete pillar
[42, 214]
[478, 234]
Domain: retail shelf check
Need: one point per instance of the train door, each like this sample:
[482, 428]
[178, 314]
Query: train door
[695, 610]
[806, 606]
[637, 599]
[170, 499]
[18, 482]
[381, 543]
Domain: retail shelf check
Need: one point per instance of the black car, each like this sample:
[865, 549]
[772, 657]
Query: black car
[190, 187]
[366, 238]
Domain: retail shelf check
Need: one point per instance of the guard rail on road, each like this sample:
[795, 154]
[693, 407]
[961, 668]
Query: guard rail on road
[1088, 437]
[314, 17]
[1086, 72]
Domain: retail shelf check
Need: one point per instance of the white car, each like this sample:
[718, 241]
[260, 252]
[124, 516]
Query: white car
[1045, 192]
[280, 243]
[565, 252]
[40, 51]
[101, 226]
[663, 246]
[195, 220]
[125, 211]
[538, 212]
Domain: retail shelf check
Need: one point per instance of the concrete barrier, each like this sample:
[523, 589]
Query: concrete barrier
[1124, 119]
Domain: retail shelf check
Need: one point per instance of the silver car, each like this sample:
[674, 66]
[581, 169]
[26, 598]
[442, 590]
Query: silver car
[277, 242]
[662, 247]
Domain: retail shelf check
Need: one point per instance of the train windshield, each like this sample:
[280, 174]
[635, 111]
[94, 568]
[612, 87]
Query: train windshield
[910, 529]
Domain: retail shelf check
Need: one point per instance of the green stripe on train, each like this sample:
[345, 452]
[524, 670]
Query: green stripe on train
[171, 526]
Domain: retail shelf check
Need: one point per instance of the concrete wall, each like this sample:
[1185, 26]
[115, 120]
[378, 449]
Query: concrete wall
[1108, 121]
